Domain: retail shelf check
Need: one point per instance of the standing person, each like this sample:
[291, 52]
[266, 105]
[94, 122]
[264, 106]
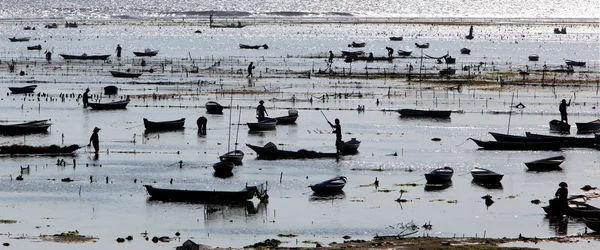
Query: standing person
[119, 50]
[86, 98]
[337, 129]
[48, 56]
[94, 140]
[250, 68]
[210, 20]
[561, 195]
[261, 111]
[330, 56]
[562, 108]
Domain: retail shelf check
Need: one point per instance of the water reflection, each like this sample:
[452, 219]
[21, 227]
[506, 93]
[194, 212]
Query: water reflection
[148, 132]
[223, 175]
[487, 185]
[426, 119]
[221, 211]
[437, 186]
[315, 197]
[557, 224]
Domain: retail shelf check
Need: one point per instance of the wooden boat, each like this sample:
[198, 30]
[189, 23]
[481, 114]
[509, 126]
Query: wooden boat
[560, 126]
[244, 46]
[447, 71]
[22, 90]
[236, 157]
[334, 185]
[575, 63]
[588, 127]
[19, 39]
[575, 142]
[35, 47]
[282, 120]
[51, 26]
[213, 107]
[84, 57]
[555, 208]
[109, 105]
[270, 151]
[425, 113]
[422, 46]
[396, 38]
[351, 146]
[146, 52]
[519, 138]
[357, 45]
[533, 58]
[223, 167]
[205, 196]
[111, 90]
[582, 209]
[465, 51]
[164, 125]
[507, 145]
[37, 150]
[267, 124]
[546, 164]
[440, 175]
[121, 74]
[39, 126]
[485, 175]
[71, 25]
[352, 53]
[404, 52]
[592, 223]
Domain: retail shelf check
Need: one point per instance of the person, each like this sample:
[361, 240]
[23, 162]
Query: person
[337, 129]
[94, 140]
[201, 122]
[261, 111]
[330, 56]
[390, 52]
[239, 24]
[86, 98]
[250, 68]
[119, 50]
[210, 20]
[48, 56]
[562, 108]
[561, 195]
[370, 58]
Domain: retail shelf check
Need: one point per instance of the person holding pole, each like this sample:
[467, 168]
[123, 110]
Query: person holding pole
[337, 129]
[562, 108]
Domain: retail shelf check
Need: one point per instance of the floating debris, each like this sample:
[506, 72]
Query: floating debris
[536, 201]
[588, 188]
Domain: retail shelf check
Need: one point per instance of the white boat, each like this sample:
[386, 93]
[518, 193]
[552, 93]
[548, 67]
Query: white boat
[485, 175]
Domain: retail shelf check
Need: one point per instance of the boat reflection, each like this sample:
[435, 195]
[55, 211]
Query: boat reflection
[557, 224]
[487, 185]
[316, 197]
[227, 211]
[437, 186]
[223, 175]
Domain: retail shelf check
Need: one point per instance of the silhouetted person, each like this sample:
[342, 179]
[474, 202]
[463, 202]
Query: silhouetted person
[261, 111]
[119, 50]
[561, 195]
[390, 52]
[210, 20]
[330, 56]
[201, 122]
[562, 108]
[86, 98]
[250, 68]
[94, 140]
[48, 56]
[337, 129]
[370, 58]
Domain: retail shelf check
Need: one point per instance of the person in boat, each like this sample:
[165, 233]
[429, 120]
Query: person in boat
[119, 50]
[330, 57]
[250, 68]
[562, 108]
[261, 111]
[201, 122]
[390, 52]
[86, 98]
[561, 195]
[95, 141]
[337, 129]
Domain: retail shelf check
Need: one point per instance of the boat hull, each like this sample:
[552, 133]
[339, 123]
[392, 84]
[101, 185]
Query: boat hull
[588, 127]
[274, 153]
[52, 150]
[500, 145]
[201, 195]
[547, 164]
[109, 105]
[84, 57]
[559, 126]
[282, 120]
[425, 113]
[213, 108]
[40, 126]
[22, 90]
[331, 186]
[164, 125]
[120, 74]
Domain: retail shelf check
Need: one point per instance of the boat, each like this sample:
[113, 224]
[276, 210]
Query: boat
[592, 223]
[447, 71]
[231, 25]
[244, 46]
[560, 126]
[465, 51]
[38, 126]
[51, 26]
[37, 150]
[562, 30]
[352, 53]
[270, 152]
[357, 45]
[351, 146]
[404, 52]
[588, 127]
[368, 58]
[121, 74]
[19, 39]
[213, 107]
[582, 209]
[35, 47]
[236, 156]
[422, 46]
[396, 38]
[205, 196]
[571, 142]
[22, 90]
[164, 125]
[440, 175]
[282, 120]
[546, 164]
[520, 138]
[485, 175]
[533, 58]
[111, 90]
[109, 105]
[333, 185]
[425, 113]
[146, 52]
[575, 63]
[509, 145]
[223, 167]
[267, 124]
[84, 57]
[71, 25]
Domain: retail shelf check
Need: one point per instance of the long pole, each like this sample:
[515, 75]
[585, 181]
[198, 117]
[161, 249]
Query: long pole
[229, 135]
[324, 116]
[238, 130]
[421, 66]
[510, 113]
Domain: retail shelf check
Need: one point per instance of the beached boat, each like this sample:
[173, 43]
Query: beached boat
[146, 52]
[404, 52]
[109, 105]
[440, 175]
[213, 107]
[588, 127]
[35, 47]
[546, 164]
[559, 126]
[84, 57]
[575, 63]
[422, 46]
[425, 113]
[357, 45]
[592, 223]
[267, 124]
[121, 74]
[509, 145]
[334, 185]
[223, 167]
[396, 38]
[38, 150]
[270, 152]
[38, 126]
[19, 39]
[533, 58]
[465, 51]
[571, 142]
[22, 90]
[485, 175]
[244, 46]
[164, 125]
[205, 196]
